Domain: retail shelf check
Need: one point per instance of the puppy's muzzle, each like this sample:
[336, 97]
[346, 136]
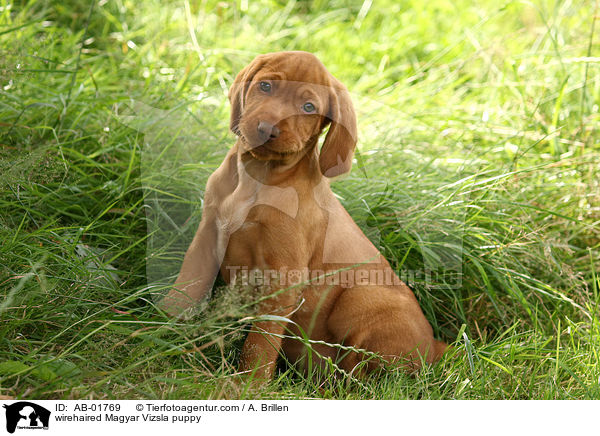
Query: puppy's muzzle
[267, 131]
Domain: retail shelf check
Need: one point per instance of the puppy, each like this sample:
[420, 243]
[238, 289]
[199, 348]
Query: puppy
[270, 219]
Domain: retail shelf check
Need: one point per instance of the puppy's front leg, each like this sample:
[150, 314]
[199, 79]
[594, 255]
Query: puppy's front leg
[263, 344]
[204, 256]
[199, 270]
[261, 349]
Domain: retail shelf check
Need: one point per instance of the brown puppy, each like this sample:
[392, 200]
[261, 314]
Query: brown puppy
[271, 220]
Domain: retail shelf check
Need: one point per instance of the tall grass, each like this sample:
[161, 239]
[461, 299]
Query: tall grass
[479, 153]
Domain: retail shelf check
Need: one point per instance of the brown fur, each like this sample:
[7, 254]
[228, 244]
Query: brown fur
[269, 207]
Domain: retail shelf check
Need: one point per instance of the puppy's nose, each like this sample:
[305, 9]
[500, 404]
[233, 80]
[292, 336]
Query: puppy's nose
[267, 131]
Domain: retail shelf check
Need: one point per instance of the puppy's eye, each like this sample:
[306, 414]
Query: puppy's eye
[265, 86]
[308, 108]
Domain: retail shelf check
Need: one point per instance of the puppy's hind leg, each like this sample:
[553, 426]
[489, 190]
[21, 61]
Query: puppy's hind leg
[384, 321]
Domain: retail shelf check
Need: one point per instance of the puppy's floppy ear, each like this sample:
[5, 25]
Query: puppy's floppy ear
[239, 89]
[338, 147]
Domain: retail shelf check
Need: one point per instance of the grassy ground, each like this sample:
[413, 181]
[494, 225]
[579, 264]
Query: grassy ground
[479, 147]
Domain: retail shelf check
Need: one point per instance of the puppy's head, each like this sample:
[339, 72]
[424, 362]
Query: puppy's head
[280, 104]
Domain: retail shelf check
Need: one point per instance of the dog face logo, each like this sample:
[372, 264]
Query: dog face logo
[26, 415]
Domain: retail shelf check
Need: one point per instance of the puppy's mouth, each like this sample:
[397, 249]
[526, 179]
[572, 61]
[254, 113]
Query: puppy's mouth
[267, 150]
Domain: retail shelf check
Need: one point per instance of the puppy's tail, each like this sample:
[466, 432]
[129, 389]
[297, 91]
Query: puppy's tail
[439, 348]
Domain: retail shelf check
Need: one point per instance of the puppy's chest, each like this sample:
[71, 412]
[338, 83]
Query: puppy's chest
[275, 229]
[279, 229]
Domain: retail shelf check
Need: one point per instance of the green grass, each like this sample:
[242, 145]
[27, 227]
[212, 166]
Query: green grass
[479, 153]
